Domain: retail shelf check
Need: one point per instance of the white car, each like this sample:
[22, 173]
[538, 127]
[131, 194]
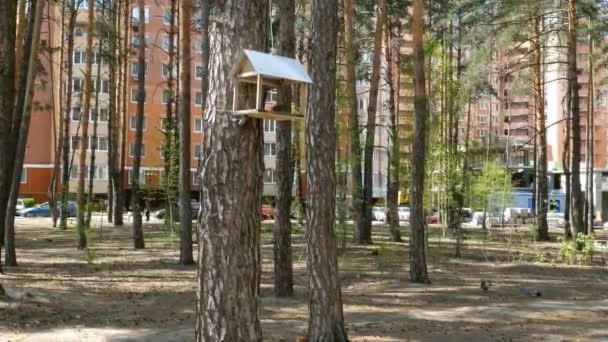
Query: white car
[379, 214]
[20, 205]
[556, 220]
[404, 213]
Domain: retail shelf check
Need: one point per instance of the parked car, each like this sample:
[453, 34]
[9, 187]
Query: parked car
[44, 210]
[556, 220]
[491, 220]
[20, 204]
[404, 213]
[267, 212]
[194, 209]
[379, 214]
[433, 218]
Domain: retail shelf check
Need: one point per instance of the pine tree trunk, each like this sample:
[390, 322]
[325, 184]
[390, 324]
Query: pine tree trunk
[357, 206]
[364, 232]
[418, 269]
[57, 131]
[283, 273]
[590, 133]
[542, 229]
[231, 184]
[185, 213]
[392, 188]
[71, 12]
[30, 68]
[136, 205]
[577, 196]
[326, 319]
[84, 138]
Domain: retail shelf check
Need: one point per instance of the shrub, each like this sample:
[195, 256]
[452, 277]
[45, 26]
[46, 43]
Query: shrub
[578, 250]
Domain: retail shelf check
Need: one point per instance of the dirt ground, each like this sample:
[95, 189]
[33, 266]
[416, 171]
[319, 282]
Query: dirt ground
[127, 295]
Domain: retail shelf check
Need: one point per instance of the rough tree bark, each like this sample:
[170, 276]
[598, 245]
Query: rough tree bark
[325, 319]
[590, 133]
[185, 213]
[364, 232]
[577, 196]
[30, 70]
[418, 269]
[84, 138]
[357, 207]
[231, 184]
[283, 269]
[138, 233]
[537, 79]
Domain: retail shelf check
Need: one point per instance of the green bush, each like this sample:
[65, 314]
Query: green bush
[29, 202]
[578, 250]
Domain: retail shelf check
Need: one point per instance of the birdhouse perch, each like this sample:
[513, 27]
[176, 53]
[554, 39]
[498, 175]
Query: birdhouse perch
[265, 72]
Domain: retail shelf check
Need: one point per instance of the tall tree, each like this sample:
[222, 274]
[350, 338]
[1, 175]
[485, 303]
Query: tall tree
[231, 184]
[418, 269]
[8, 13]
[325, 318]
[590, 132]
[358, 209]
[30, 69]
[364, 232]
[185, 213]
[283, 269]
[573, 88]
[84, 138]
[138, 233]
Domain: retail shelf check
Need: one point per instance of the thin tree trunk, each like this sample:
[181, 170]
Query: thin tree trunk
[590, 133]
[231, 184]
[57, 133]
[93, 144]
[325, 318]
[418, 269]
[357, 206]
[283, 269]
[33, 39]
[566, 162]
[392, 189]
[170, 147]
[577, 196]
[71, 11]
[185, 213]
[84, 138]
[542, 199]
[138, 233]
[364, 233]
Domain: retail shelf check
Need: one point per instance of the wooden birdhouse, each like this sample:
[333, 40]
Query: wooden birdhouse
[264, 73]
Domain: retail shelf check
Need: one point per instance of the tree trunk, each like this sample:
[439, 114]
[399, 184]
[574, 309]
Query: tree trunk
[71, 12]
[357, 206]
[590, 133]
[231, 184]
[418, 269]
[364, 232]
[392, 189]
[170, 147]
[31, 53]
[138, 233]
[577, 196]
[283, 273]
[57, 131]
[185, 213]
[8, 11]
[325, 319]
[84, 138]
[542, 229]
[566, 163]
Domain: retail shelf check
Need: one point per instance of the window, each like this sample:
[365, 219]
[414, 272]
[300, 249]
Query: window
[79, 57]
[195, 179]
[269, 126]
[76, 114]
[167, 16]
[75, 142]
[271, 96]
[166, 43]
[482, 132]
[135, 41]
[132, 123]
[482, 118]
[102, 85]
[135, 69]
[135, 95]
[483, 105]
[23, 175]
[269, 177]
[165, 71]
[78, 32]
[198, 98]
[77, 84]
[198, 125]
[270, 149]
[198, 20]
[73, 172]
[142, 177]
[103, 115]
[136, 15]
[198, 45]
[132, 150]
[101, 143]
[198, 72]
[166, 96]
[197, 151]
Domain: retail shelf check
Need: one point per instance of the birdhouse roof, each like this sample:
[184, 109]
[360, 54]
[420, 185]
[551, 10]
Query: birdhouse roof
[270, 66]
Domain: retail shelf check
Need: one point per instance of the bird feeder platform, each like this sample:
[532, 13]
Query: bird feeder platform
[264, 72]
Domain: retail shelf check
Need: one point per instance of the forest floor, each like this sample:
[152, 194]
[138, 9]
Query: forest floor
[120, 294]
